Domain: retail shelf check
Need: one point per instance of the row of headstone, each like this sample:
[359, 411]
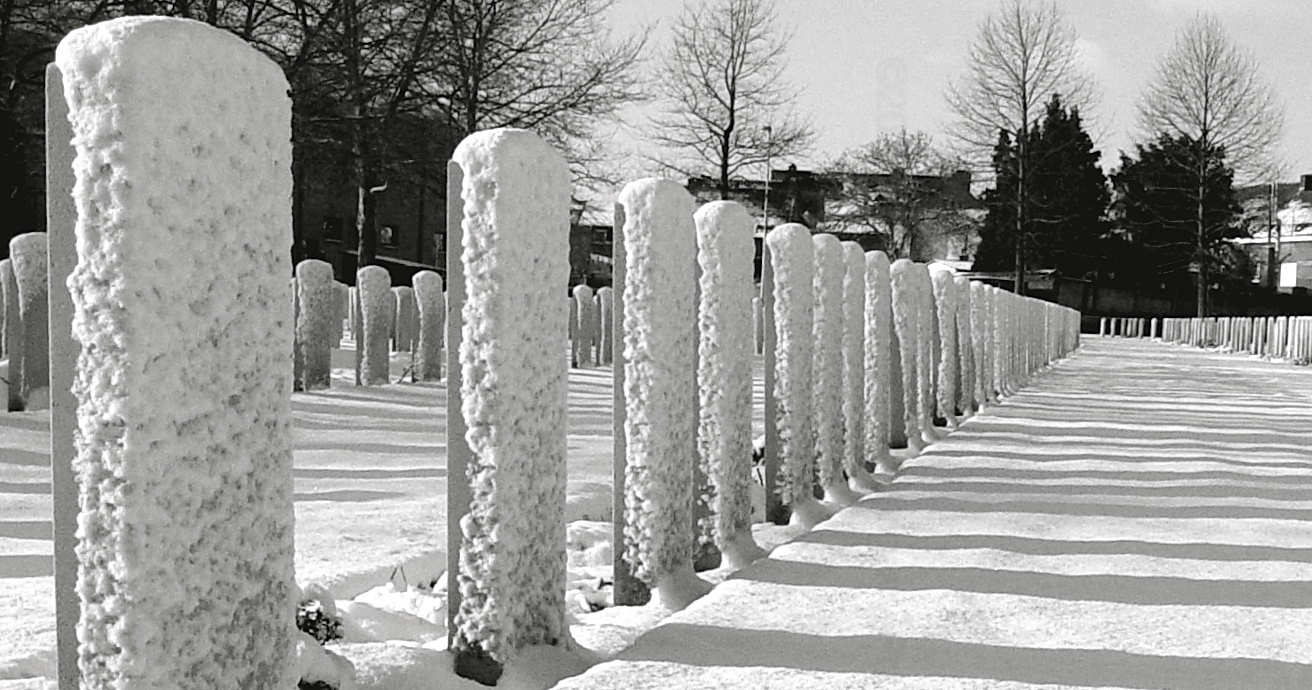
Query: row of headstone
[23, 281]
[591, 326]
[385, 319]
[198, 370]
[1122, 327]
[1277, 337]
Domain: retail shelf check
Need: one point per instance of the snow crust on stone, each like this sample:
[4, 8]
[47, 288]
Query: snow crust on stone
[981, 333]
[878, 331]
[945, 302]
[516, 193]
[660, 243]
[28, 254]
[407, 318]
[316, 297]
[431, 302]
[183, 142]
[792, 258]
[13, 334]
[907, 308]
[585, 325]
[928, 352]
[374, 285]
[827, 391]
[724, 373]
[966, 382]
[606, 324]
[854, 373]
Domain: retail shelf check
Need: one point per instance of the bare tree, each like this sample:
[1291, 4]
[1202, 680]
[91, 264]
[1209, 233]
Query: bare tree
[1024, 54]
[895, 187]
[1207, 90]
[727, 105]
[546, 65]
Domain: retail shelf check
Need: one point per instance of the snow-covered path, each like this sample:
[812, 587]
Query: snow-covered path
[1139, 517]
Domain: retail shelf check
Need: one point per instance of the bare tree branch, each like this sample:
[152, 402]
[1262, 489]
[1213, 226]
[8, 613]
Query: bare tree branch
[722, 85]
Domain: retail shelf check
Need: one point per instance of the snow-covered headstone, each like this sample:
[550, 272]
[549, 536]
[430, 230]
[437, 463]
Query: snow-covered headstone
[660, 425]
[724, 373]
[377, 307]
[28, 254]
[407, 318]
[907, 310]
[432, 321]
[516, 192]
[854, 372]
[878, 375]
[793, 263]
[827, 391]
[183, 139]
[341, 307]
[606, 324]
[980, 339]
[926, 357]
[585, 325]
[965, 347]
[317, 304]
[13, 335]
[945, 302]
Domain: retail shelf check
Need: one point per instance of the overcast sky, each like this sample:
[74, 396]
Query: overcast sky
[867, 66]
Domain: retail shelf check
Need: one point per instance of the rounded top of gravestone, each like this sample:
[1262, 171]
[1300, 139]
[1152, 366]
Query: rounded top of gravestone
[153, 43]
[314, 269]
[787, 234]
[425, 280]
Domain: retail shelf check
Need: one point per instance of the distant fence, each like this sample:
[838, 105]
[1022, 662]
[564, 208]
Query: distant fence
[1279, 337]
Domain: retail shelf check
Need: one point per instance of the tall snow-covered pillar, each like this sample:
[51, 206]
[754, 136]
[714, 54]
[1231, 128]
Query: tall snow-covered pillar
[605, 325]
[724, 373]
[431, 302]
[13, 334]
[660, 426]
[792, 261]
[584, 325]
[965, 347]
[945, 302]
[28, 253]
[879, 386]
[926, 359]
[317, 300]
[907, 308]
[827, 368]
[341, 297]
[516, 192]
[377, 308]
[407, 318]
[979, 336]
[183, 140]
[854, 369]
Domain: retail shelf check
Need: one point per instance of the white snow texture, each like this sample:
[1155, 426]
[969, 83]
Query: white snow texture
[516, 195]
[793, 261]
[606, 324]
[28, 253]
[878, 331]
[432, 322]
[183, 141]
[13, 334]
[906, 305]
[377, 306]
[317, 300]
[827, 397]
[585, 326]
[854, 372]
[407, 318]
[660, 247]
[945, 301]
[965, 346]
[928, 350]
[724, 435]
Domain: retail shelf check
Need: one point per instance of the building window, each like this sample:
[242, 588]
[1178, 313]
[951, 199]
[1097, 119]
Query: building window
[387, 236]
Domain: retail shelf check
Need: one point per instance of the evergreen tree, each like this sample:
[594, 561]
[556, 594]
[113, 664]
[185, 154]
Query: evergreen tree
[1068, 194]
[997, 236]
[1162, 194]
[1063, 204]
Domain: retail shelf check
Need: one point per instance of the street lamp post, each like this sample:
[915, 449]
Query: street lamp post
[765, 206]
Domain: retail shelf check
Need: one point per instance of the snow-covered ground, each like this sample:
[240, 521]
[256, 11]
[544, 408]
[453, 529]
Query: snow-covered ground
[1139, 517]
[370, 473]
